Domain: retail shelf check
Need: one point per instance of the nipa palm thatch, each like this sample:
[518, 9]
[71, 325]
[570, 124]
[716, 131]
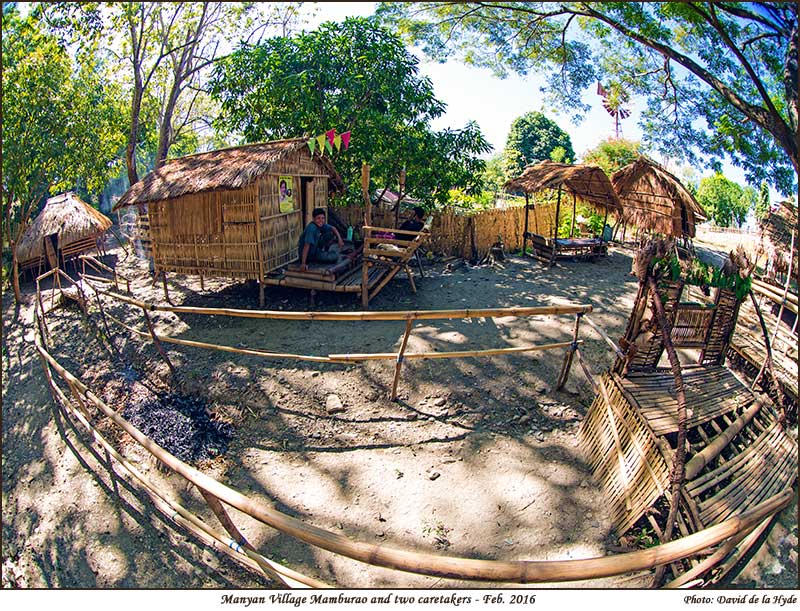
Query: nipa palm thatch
[236, 212]
[589, 183]
[656, 201]
[77, 225]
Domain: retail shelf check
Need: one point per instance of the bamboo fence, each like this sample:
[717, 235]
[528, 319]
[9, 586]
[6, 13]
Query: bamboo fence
[76, 402]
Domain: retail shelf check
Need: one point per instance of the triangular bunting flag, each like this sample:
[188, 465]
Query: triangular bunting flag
[337, 141]
[345, 139]
[328, 148]
[321, 142]
[311, 145]
[331, 133]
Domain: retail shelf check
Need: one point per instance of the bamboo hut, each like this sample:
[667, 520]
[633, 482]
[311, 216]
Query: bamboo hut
[66, 227]
[586, 183]
[236, 212]
[779, 241]
[655, 201]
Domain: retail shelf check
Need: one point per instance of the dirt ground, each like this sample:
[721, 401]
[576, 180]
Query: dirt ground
[478, 458]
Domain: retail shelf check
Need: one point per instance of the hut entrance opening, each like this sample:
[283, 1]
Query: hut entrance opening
[51, 250]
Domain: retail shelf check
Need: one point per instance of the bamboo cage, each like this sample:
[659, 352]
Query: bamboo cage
[655, 201]
[236, 212]
[737, 450]
[75, 228]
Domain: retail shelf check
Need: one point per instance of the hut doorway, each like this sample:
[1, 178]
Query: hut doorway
[51, 250]
[307, 198]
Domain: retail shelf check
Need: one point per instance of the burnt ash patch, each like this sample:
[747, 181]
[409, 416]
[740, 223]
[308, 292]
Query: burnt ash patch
[181, 425]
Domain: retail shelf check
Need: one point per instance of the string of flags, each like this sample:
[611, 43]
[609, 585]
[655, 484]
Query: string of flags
[328, 141]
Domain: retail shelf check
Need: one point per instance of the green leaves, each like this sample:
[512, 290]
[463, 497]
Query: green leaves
[351, 76]
[533, 138]
[724, 201]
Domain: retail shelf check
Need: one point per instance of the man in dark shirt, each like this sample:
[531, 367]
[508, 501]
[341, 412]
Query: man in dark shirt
[412, 224]
[316, 239]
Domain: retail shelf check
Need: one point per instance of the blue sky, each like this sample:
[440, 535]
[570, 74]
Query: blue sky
[476, 94]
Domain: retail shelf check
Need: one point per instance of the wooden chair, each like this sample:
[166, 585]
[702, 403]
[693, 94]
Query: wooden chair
[389, 254]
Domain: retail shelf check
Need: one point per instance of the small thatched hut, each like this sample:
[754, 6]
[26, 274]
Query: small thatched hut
[655, 201]
[67, 226]
[779, 240]
[236, 212]
[586, 183]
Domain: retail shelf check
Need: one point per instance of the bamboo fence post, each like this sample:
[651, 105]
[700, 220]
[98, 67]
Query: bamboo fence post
[565, 368]
[365, 193]
[555, 229]
[156, 341]
[399, 364]
[103, 317]
[410, 278]
[678, 464]
[525, 230]
[365, 282]
[574, 211]
[166, 292]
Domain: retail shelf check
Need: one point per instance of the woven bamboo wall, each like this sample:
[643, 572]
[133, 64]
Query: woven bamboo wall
[452, 233]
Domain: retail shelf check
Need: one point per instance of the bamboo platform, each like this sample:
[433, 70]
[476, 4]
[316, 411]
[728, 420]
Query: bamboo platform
[748, 344]
[321, 277]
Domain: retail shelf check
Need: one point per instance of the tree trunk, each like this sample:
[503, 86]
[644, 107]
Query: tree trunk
[133, 133]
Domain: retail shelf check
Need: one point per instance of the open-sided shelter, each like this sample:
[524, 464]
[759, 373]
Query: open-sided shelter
[67, 226]
[586, 183]
[655, 201]
[236, 212]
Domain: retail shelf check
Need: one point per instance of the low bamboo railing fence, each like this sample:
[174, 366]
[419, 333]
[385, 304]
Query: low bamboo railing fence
[77, 400]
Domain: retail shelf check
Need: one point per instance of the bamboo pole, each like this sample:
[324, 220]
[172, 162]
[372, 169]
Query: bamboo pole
[523, 571]
[555, 229]
[365, 193]
[157, 342]
[769, 366]
[398, 366]
[525, 230]
[357, 316]
[567, 365]
[678, 472]
[382, 356]
[605, 336]
[574, 211]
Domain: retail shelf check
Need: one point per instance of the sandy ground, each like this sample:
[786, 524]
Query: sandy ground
[478, 458]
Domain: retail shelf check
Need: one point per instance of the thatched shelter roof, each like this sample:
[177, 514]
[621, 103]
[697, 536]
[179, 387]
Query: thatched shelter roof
[776, 228]
[67, 215]
[223, 169]
[655, 200]
[587, 182]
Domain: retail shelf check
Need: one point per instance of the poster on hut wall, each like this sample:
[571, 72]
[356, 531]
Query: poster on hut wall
[285, 194]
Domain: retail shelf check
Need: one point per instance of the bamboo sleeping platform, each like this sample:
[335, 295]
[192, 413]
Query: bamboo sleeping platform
[341, 277]
[737, 451]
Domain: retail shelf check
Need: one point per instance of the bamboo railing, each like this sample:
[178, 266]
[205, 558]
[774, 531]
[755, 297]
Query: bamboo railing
[218, 495]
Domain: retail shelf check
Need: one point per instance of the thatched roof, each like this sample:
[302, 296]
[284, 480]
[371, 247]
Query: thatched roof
[67, 215]
[587, 182]
[223, 169]
[776, 229]
[655, 200]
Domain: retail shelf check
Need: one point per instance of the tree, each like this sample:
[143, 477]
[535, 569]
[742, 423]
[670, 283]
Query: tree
[169, 48]
[612, 154]
[351, 76]
[762, 205]
[733, 66]
[724, 201]
[61, 126]
[533, 138]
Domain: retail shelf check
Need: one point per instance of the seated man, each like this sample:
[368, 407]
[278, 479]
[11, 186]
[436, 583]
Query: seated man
[413, 224]
[316, 240]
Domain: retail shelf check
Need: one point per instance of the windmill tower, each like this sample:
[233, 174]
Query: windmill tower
[615, 100]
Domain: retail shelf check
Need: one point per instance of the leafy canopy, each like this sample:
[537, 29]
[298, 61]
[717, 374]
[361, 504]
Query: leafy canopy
[352, 76]
[613, 154]
[61, 124]
[724, 201]
[720, 78]
[533, 138]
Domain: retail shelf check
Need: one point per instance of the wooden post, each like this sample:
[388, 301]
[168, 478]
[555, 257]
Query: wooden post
[166, 292]
[399, 363]
[365, 193]
[574, 210]
[260, 251]
[562, 378]
[525, 230]
[156, 341]
[555, 229]
[365, 283]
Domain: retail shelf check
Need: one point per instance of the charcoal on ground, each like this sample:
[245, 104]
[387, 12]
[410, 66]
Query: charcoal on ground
[181, 425]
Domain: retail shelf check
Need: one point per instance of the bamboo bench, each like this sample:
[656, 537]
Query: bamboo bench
[389, 254]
